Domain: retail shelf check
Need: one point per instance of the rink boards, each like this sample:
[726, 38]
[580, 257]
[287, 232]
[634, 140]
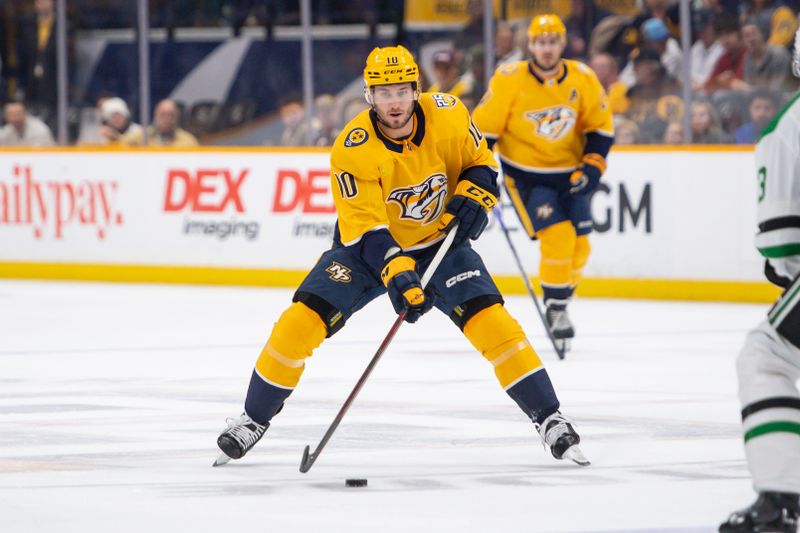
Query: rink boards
[672, 223]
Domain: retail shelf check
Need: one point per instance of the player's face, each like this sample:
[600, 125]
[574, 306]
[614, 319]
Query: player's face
[394, 104]
[546, 50]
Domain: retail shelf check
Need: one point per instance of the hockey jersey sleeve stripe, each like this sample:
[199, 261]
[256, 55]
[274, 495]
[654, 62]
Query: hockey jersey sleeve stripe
[781, 250]
[772, 427]
[598, 142]
[779, 223]
[771, 403]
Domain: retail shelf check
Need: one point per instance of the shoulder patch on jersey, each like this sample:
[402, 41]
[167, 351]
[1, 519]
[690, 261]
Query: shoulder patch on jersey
[552, 123]
[423, 202]
[443, 99]
[507, 70]
[355, 137]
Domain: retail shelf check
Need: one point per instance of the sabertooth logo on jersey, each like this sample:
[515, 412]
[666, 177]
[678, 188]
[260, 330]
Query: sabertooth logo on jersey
[423, 202]
[339, 272]
[552, 123]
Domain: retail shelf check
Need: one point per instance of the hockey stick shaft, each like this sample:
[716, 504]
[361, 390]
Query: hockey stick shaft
[309, 458]
[527, 281]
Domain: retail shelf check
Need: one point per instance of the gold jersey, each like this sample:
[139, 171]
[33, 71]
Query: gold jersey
[540, 125]
[378, 182]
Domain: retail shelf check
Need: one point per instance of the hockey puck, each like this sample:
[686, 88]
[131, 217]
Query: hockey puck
[355, 482]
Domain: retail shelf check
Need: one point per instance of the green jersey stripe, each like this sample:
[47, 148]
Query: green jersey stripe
[772, 427]
[774, 122]
[785, 302]
[782, 250]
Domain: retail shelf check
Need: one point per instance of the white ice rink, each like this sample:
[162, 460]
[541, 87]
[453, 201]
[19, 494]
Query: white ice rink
[111, 398]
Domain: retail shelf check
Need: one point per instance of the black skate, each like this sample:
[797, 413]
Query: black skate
[237, 439]
[558, 434]
[773, 512]
[560, 326]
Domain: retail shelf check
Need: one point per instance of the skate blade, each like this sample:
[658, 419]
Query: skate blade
[575, 455]
[224, 459]
[564, 345]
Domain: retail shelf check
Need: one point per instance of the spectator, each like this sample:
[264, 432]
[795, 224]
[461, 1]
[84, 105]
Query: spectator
[665, 10]
[116, 121]
[36, 52]
[654, 100]
[763, 107]
[472, 33]
[705, 124]
[654, 34]
[505, 49]
[293, 116]
[584, 17]
[607, 70]
[765, 66]
[626, 132]
[474, 77]
[673, 134]
[325, 124]
[722, 7]
[446, 74]
[164, 131]
[728, 73]
[778, 22]
[22, 129]
[706, 50]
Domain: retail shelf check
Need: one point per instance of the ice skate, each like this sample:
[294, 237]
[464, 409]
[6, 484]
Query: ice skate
[237, 439]
[560, 326]
[772, 512]
[558, 434]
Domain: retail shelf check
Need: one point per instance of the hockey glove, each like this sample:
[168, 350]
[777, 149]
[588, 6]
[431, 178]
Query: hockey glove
[587, 176]
[400, 277]
[469, 206]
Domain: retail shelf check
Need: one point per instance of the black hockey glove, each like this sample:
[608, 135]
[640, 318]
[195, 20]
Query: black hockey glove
[469, 206]
[587, 176]
[400, 277]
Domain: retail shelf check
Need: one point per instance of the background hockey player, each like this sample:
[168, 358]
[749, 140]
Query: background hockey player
[552, 124]
[768, 366]
[403, 173]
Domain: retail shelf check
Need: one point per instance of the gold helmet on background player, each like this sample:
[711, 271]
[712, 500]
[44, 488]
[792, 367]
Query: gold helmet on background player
[547, 24]
[390, 65]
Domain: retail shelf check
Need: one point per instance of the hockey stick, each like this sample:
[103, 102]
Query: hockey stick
[308, 458]
[499, 217]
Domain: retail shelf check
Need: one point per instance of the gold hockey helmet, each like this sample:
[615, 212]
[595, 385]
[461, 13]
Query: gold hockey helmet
[388, 65]
[547, 24]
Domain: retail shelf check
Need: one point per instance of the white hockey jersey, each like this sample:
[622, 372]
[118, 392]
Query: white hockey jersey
[778, 174]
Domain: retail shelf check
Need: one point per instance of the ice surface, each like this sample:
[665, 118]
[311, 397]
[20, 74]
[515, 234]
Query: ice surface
[111, 398]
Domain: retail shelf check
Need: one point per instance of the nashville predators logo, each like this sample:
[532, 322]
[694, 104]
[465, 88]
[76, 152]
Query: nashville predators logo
[544, 211]
[552, 123]
[356, 136]
[339, 272]
[423, 202]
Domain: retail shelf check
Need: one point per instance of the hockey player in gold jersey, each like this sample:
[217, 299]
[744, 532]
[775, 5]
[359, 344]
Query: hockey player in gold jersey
[405, 171]
[552, 126]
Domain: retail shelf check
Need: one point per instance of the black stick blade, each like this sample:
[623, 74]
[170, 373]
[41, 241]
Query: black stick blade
[305, 463]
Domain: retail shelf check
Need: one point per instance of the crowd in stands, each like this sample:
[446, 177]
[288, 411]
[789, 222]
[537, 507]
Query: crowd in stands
[740, 70]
